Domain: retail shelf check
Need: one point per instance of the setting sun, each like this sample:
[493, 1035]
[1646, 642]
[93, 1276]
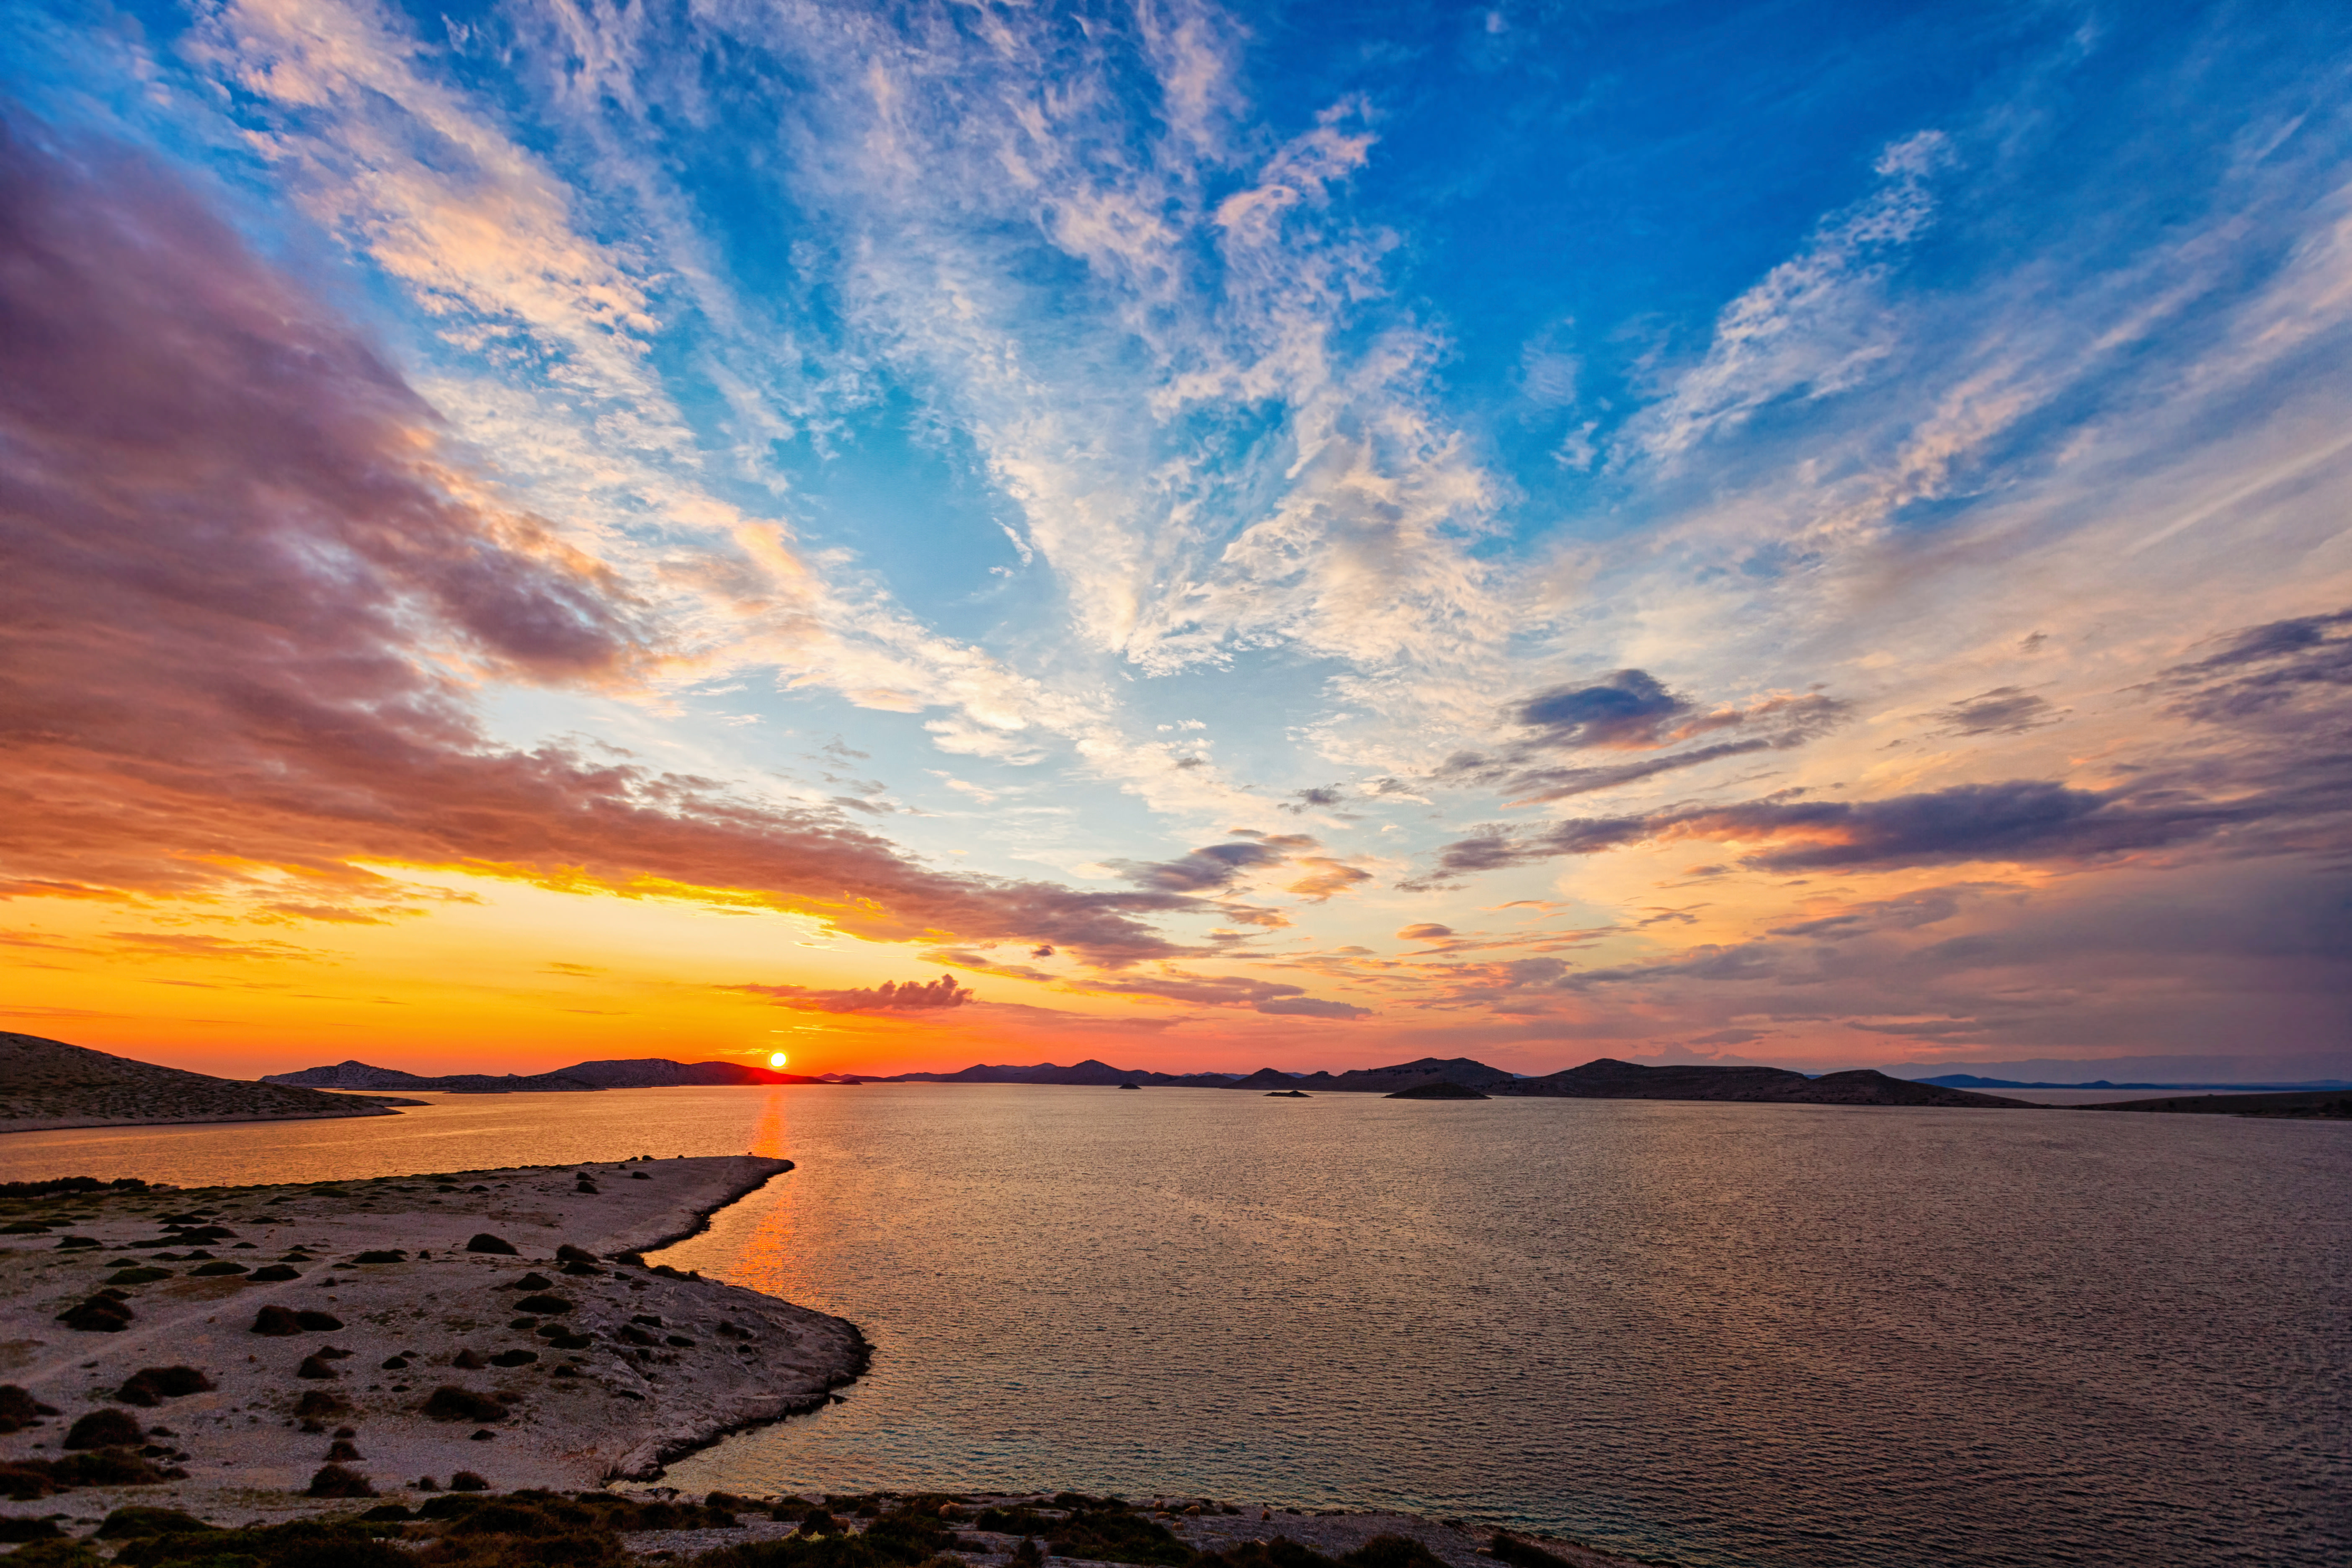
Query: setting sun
[776, 1058]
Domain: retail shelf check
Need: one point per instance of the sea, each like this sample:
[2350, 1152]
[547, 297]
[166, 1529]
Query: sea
[1701, 1334]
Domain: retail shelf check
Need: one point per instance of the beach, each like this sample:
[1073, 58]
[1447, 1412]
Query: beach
[570, 1372]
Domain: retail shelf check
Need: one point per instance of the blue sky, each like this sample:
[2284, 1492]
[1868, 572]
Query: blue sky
[1793, 533]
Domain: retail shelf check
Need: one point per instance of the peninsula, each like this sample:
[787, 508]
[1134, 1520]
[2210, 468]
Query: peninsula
[47, 1085]
[495, 1323]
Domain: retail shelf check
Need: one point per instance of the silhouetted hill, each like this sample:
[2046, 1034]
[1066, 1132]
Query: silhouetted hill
[582, 1078]
[47, 1084]
[1086, 1073]
[1602, 1079]
[1609, 1078]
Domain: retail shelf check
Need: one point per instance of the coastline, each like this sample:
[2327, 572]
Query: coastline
[570, 1373]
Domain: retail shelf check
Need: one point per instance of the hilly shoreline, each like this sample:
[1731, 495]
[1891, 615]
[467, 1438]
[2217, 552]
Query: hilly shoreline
[47, 1085]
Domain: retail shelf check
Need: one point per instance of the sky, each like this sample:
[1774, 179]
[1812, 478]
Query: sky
[1296, 535]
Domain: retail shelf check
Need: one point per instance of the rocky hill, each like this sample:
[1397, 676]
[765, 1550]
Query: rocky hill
[1609, 1078]
[48, 1084]
[580, 1077]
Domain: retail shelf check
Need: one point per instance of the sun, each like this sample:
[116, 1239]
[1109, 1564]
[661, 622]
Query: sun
[776, 1058]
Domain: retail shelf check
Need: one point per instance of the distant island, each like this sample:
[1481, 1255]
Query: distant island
[50, 1085]
[1604, 1079]
[580, 1077]
[1439, 1090]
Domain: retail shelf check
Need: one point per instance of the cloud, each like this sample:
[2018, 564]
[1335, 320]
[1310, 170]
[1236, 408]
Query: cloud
[914, 996]
[1271, 996]
[1425, 931]
[2264, 669]
[1816, 324]
[2023, 820]
[1326, 877]
[1215, 867]
[1625, 711]
[250, 595]
[2004, 710]
[1632, 710]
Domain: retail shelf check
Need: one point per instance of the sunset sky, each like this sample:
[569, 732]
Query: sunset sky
[1304, 535]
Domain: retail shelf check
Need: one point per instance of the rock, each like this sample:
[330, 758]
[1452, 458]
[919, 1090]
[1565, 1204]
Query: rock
[483, 1436]
[469, 1359]
[396, 1363]
[514, 1358]
[318, 1404]
[19, 1409]
[549, 1305]
[340, 1451]
[104, 1429]
[333, 1480]
[394, 1255]
[276, 1272]
[151, 1385]
[318, 1322]
[211, 1270]
[451, 1403]
[587, 1269]
[467, 1481]
[567, 1253]
[485, 1242]
[314, 1366]
[529, 1282]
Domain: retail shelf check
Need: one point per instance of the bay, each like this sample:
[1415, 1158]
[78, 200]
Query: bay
[1710, 1334]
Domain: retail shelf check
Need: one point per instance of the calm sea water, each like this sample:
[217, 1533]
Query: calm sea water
[1711, 1335]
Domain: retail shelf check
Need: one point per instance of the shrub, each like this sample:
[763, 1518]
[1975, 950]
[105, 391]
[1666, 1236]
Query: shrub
[276, 1322]
[333, 1480]
[151, 1385]
[19, 1409]
[1392, 1551]
[451, 1403]
[129, 1522]
[100, 1314]
[104, 1429]
[1521, 1553]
